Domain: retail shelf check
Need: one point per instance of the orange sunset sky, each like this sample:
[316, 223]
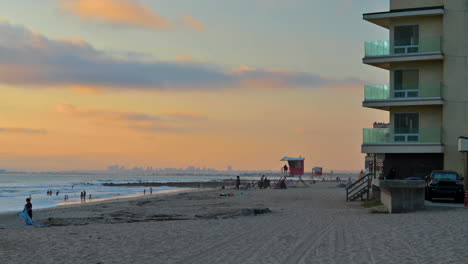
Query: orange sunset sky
[86, 84]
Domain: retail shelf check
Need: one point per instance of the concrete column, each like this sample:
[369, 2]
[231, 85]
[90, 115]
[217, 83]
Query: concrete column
[465, 181]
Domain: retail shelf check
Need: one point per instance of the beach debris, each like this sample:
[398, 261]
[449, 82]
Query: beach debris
[226, 194]
[142, 203]
[235, 213]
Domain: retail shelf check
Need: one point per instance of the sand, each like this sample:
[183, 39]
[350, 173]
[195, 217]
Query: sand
[306, 225]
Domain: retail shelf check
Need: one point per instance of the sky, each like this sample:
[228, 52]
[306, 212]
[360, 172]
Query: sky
[176, 83]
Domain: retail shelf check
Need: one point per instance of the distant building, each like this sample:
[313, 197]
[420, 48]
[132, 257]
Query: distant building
[229, 168]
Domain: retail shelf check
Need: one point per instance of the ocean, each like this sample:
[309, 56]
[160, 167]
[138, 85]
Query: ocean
[15, 188]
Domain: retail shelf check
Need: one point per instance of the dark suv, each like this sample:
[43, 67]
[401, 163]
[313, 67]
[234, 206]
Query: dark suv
[444, 184]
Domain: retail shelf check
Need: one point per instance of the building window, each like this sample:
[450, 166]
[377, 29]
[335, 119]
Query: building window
[406, 39]
[406, 83]
[406, 127]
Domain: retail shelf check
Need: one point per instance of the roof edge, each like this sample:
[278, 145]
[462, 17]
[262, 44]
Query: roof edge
[405, 10]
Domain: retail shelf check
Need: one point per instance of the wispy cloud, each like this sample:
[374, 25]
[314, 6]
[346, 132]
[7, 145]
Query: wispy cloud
[31, 59]
[194, 23]
[22, 130]
[170, 122]
[122, 12]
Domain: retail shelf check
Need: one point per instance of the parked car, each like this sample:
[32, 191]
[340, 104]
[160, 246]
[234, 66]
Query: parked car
[444, 184]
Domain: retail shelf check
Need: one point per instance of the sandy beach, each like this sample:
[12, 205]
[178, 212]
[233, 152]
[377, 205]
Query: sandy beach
[305, 225]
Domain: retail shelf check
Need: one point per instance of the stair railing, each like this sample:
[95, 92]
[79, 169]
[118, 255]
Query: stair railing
[358, 186]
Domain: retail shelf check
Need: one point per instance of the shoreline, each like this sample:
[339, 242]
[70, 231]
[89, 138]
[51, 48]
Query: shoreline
[97, 201]
[210, 184]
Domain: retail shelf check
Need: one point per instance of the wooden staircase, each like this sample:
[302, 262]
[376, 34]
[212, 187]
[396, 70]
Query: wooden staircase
[360, 189]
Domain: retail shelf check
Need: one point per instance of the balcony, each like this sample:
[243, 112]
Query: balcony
[383, 96]
[382, 53]
[386, 19]
[390, 140]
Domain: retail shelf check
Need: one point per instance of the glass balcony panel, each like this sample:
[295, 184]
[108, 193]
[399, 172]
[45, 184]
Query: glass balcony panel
[387, 136]
[400, 138]
[421, 90]
[377, 48]
[382, 47]
[377, 92]
[406, 130]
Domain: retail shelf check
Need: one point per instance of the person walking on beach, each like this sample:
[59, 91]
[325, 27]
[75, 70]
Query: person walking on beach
[151, 190]
[144, 192]
[238, 183]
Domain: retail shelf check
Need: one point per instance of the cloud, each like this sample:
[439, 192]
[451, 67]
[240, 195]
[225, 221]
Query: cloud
[33, 60]
[20, 130]
[182, 57]
[282, 78]
[120, 12]
[194, 23]
[170, 122]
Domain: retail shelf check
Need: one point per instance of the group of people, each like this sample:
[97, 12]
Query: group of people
[83, 196]
[264, 182]
[150, 191]
[50, 193]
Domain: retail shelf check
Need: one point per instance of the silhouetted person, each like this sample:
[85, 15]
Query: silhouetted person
[261, 182]
[238, 183]
[266, 183]
[285, 168]
[28, 207]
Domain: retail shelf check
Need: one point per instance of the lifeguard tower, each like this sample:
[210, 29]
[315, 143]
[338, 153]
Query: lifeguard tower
[296, 168]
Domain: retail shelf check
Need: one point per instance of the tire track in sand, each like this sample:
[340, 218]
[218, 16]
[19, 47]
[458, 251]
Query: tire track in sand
[206, 255]
[360, 230]
[306, 245]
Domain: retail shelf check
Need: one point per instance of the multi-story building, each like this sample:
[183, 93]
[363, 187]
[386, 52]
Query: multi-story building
[426, 98]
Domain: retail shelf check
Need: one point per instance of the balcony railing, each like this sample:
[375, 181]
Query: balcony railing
[384, 48]
[401, 136]
[421, 90]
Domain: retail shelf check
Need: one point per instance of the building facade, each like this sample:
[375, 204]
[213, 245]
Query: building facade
[426, 98]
